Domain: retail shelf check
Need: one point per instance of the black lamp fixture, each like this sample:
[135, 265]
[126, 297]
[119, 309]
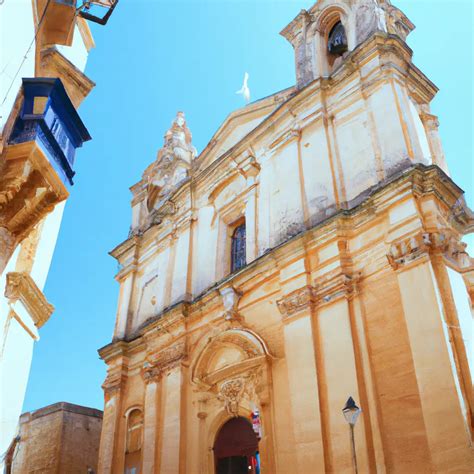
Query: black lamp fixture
[98, 11]
[351, 413]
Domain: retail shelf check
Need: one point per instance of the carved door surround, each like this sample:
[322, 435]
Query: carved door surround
[231, 372]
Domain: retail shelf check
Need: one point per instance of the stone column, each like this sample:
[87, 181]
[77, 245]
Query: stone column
[150, 423]
[446, 430]
[304, 392]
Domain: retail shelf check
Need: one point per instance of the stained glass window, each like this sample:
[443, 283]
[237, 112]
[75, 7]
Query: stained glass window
[238, 258]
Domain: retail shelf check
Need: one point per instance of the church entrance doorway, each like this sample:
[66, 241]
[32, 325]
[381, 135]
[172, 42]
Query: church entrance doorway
[236, 448]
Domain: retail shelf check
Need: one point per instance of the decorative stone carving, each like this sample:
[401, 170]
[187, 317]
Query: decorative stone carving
[419, 245]
[231, 392]
[376, 15]
[164, 362]
[20, 286]
[370, 17]
[397, 23]
[114, 381]
[334, 286]
[230, 301]
[296, 301]
[172, 165]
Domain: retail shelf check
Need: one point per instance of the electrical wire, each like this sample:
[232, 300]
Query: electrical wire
[27, 52]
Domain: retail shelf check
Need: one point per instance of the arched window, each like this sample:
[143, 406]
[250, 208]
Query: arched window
[133, 452]
[337, 40]
[238, 257]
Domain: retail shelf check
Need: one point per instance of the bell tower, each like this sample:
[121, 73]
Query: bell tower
[325, 35]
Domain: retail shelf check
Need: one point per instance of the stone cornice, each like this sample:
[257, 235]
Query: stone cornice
[113, 350]
[21, 287]
[124, 247]
[382, 43]
[418, 179]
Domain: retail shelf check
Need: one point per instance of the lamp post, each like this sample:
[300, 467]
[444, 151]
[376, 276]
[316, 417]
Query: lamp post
[351, 413]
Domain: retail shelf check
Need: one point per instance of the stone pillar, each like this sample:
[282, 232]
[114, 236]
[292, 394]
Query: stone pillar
[126, 287]
[431, 124]
[167, 364]
[202, 441]
[339, 366]
[250, 169]
[110, 425]
[303, 380]
[251, 222]
[150, 424]
[446, 430]
[171, 430]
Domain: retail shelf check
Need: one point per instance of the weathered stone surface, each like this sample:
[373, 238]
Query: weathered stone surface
[58, 438]
[352, 244]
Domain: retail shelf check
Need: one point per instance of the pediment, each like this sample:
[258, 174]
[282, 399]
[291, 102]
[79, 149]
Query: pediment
[239, 124]
[229, 353]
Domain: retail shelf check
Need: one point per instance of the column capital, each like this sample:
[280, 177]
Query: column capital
[339, 285]
[163, 362]
[430, 121]
[114, 382]
[297, 301]
[418, 246]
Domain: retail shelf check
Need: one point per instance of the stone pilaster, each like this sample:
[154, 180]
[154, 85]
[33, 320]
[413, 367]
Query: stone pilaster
[303, 379]
[111, 420]
[152, 386]
[165, 366]
[431, 124]
[440, 397]
[339, 366]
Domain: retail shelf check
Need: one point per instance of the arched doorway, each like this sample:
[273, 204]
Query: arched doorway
[236, 448]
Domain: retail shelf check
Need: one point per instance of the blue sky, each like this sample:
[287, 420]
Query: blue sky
[156, 57]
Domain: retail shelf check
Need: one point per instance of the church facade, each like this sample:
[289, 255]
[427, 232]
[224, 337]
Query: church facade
[310, 253]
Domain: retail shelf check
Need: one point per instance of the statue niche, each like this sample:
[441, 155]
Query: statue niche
[172, 164]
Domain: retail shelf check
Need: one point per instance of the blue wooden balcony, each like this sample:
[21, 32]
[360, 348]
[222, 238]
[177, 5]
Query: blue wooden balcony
[49, 118]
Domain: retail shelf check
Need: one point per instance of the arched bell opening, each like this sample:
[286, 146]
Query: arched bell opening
[333, 41]
[236, 448]
[336, 43]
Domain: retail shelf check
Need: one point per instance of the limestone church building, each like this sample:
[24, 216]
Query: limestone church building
[310, 253]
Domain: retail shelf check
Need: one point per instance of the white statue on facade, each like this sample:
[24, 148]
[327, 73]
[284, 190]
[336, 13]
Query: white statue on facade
[370, 17]
[172, 163]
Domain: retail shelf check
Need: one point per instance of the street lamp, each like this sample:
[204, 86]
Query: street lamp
[351, 412]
